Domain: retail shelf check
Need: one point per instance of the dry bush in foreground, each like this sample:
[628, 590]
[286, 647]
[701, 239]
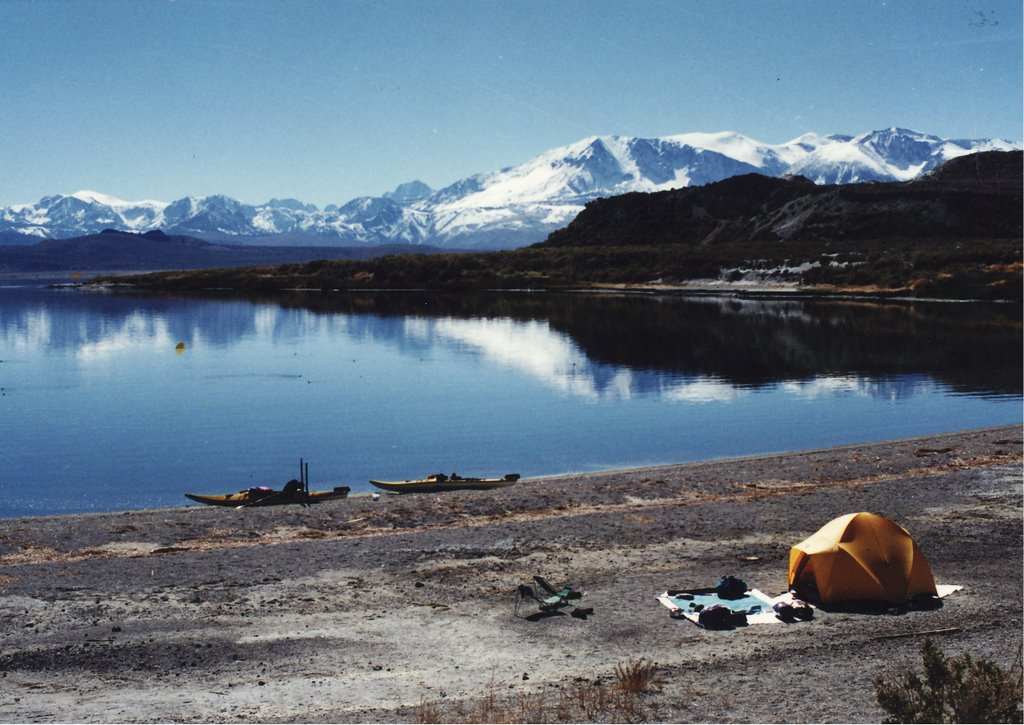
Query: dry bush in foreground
[636, 675]
[954, 690]
[581, 702]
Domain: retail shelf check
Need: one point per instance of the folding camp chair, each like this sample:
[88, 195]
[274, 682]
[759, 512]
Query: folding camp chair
[552, 599]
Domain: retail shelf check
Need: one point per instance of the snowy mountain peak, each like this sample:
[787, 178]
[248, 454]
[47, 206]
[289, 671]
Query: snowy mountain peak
[513, 206]
[410, 192]
[292, 204]
[98, 198]
[728, 143]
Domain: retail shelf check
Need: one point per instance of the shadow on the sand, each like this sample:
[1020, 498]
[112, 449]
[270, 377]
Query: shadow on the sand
[577, 613]
[876, 608]
[538, 616]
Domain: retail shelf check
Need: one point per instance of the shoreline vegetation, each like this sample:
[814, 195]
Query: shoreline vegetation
[402, 609]
[989, 270]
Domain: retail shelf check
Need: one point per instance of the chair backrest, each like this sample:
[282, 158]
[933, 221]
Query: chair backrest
[543, 584]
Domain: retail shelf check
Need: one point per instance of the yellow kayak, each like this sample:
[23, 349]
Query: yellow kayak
[262, 496]
[440, 482]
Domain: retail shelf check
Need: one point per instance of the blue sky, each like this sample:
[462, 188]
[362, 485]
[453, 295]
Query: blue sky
[326, 101]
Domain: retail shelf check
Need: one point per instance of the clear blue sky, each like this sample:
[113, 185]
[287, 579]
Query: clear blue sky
[325, 101]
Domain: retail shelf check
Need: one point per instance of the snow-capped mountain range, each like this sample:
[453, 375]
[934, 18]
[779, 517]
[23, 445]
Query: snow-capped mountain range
[512, 207]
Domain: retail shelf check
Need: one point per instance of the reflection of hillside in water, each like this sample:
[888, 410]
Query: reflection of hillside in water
[972, 348]
[696, 349]
[535, 348]
[812, 345]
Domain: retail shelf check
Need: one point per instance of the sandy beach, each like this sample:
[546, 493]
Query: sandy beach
[402, 609]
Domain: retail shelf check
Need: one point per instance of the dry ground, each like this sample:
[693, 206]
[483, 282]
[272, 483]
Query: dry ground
[402, 608]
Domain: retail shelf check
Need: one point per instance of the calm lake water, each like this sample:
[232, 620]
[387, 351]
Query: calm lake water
[111, 401]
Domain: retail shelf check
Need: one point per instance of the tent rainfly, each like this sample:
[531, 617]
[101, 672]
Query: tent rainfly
[860, 557]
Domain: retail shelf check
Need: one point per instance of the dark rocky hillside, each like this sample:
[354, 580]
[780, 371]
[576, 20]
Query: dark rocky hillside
[976, 196]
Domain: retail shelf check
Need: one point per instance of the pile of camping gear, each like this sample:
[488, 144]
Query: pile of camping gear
[857, 562]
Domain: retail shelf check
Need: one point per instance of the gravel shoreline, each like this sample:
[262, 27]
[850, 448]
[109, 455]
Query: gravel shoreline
[389, 610]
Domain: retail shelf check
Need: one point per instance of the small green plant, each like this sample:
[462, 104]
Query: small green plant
[954, 690]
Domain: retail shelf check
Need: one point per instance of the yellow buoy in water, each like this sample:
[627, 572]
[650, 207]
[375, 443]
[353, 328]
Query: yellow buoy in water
[179, 348]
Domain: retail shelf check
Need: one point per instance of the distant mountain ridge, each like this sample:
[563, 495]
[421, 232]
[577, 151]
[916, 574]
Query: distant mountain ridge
[512, 207]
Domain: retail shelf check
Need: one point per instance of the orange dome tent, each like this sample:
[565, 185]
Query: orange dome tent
[860, 556]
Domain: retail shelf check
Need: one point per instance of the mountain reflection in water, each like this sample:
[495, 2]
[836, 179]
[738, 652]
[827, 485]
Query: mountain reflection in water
[115, 400]
[582, 344]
